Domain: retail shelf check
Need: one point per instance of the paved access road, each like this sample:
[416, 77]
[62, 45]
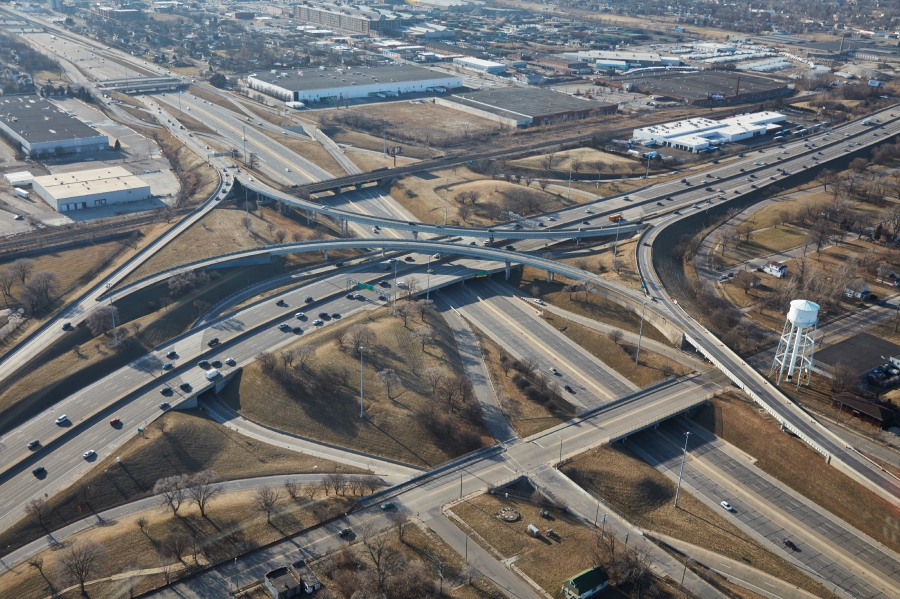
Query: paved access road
[826, 546]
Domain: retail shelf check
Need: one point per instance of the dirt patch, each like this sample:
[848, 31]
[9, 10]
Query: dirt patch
[178, 443]
[321, 401]
[646, 496]
[796, 465]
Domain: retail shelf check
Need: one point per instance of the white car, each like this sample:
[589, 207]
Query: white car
[588, 211]
[89, 454]
[727, 506]
[299, 315]
[62, 419]
[540, 302]
[554, 371]
[230, 361]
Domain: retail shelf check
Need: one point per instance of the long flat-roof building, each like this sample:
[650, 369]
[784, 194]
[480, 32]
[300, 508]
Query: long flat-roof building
[350, 19]
[80, 190]
[524, 106]
[479, 64]
[700, 133]
[325, 84]
[40, 128]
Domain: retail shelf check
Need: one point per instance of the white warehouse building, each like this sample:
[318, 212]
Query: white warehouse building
[327, 84]
[478, 64]
[41, 129]
[80, 190]
[694, 135]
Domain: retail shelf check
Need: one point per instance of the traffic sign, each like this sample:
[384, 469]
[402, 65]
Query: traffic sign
[365, 286]
[395, 150]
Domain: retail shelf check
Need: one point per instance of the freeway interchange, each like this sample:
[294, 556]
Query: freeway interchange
[133, 393]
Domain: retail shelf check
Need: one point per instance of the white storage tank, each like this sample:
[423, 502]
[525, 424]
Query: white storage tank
[803, 313]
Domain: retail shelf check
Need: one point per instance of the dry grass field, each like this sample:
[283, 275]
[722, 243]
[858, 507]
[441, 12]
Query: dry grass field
[180, 442]
[372, 142]
[210, 96]
[547, 561]
[198, 181]
[312, 150]
[582, 161]
[618, 356]
[194, 125]
[330, 413]
[369, 160]
[527, 417]
[791, 461]
[428, 120]
[645, 495]
[764, 243]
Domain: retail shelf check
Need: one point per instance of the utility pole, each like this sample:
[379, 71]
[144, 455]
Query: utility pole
[569, 192]
[560, 451]
[247, 206]
[647, 176]
[687, 436]
[362, 413]
[244, 136]
[616, 246]
[179, 102]
[394, 303]
[446, 199]
[460, 485]
[384, 140]
[640, 333]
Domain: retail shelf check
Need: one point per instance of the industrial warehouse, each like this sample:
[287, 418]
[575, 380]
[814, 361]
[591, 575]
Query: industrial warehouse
[702, 88]
[39, 128]
[327, 84]
[90, 189]
[521, 107]
[694, 135]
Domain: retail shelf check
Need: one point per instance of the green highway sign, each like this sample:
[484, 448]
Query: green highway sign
[365, 286]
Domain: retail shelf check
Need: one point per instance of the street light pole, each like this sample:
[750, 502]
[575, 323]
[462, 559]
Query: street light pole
[244, 130]
[569, 192]
[560, 451]
[428, 280]
[362, 413]
[394, 296]
[640, 333]
[687, 436]
[446, 199]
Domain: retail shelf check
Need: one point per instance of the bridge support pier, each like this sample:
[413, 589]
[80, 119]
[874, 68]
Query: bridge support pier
[415, 235]
[508, 264]
[549, 277]
[326, 254]
[382, 252]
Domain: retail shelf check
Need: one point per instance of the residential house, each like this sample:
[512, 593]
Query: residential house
[745, 279]
[857, 289]
[888, 278]
[283, 584]
[871, 412]
[586, 584]
[776, 269]
[308, 578]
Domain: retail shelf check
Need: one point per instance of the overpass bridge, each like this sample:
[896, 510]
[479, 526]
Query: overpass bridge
[133, 85]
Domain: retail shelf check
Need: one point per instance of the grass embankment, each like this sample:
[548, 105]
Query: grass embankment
[310, 149]
[796, 465]
[225, 230]
[619, 356]
[527, 417]
[322, 402]
[198, 180]
[583, 304]
[345, 572]
[646, 496]
[194, 125]
[547, 561]
[369, 161]
[177, 443]
[210, 96]
[428, 196]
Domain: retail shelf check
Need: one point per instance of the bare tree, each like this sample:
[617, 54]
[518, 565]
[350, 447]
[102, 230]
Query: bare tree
[434, 375]
[37, 562]
[100, 320]
[543, 184]
[40, 289]
[389, 381]
[842, 377]
[265, 499]
[337, 481]
[381, 552]
[267, 361]
[371, 482]
[425, 336]
[422, 308]
[23, 267]
[171, 491]
[279, 235]
[528, 365]
[142, 523]
[616, 336]
[203, 488]
[176, 545]
[39, 509]
[8, 280]
[403, 313]
[399, 518]
[304, 356]
[82, 561]
[292, 488]
[357, 336]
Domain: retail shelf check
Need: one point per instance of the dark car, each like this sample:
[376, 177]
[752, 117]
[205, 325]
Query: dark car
[213, 341]
[166, 390]
[203, 364]
[164, 405]
[410, 259]
[789, 544]
[186, 386]
[280, 302]
[510, 248]
[216, 364]
[349, 296]
[172, 354]
[335, 315]
[324, 315]
[659, 203]
[115, 422]
[39, 470]
[308, 300]
[297, 330]
[384, 284]
[569, 389]
[647, 244]
[34, 444]
[709, 189]
[345, 532]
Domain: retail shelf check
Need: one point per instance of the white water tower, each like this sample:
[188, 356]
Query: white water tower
[797, 344]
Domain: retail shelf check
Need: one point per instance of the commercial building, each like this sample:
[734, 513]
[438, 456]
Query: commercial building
[90, 189]
[479, 64]
[871, 412]
[604, 59]
[522, 106]
[861, 353]
[40, 129]
[702, 88]
[119, 14]
[694, 135]
[355, 20]
[329, 84]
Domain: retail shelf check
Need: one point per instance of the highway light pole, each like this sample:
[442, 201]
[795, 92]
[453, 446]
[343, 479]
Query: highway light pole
[446, 199]
[428, 280]
[569, 192]
[560, 451]
[244, 137]
[640, 333]
[362, 413]
[112, 314]
[687, 436]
